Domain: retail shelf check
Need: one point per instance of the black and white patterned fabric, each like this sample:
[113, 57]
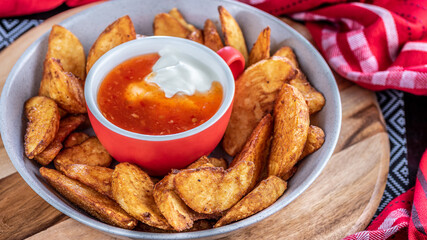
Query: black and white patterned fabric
[11, 29]
[391, 103]
[392, 107]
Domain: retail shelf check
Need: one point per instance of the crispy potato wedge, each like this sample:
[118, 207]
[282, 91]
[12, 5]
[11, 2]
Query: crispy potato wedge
[211, 190]
[264, 195]
[166, 25]
[174, 12]
[256, 90]
[75, 138]
[291, 123]
[89, 152]
[66, 47]
[43, 124]
[63, 87]
[216, 162]
[88, 199]
[287, 53]
[178, 215]
[290, 173]
[261, 48]
[233, 35]
[120, 31]
[315, 140]
[66, 126]
[314, 98]
[133, 190]
[212, 39]
[197, 36]
[257, 148]
[98, 178]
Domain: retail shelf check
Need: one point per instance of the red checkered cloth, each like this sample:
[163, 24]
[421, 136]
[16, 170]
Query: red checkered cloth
[379, 44]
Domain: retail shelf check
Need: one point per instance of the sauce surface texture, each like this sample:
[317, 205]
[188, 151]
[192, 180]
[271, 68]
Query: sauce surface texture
[131, 103]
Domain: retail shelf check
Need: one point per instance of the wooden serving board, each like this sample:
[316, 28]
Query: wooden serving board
[341, 201]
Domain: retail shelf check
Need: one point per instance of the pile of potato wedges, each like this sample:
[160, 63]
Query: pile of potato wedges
[268, 134]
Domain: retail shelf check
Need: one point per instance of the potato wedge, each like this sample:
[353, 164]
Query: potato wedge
[261, 48]
[98, 178]
[43, 124]
[291, 123]
[212, 39]
[66, 47]
[211, 190]
[166, 25]
[174, 12]
[264, 195]
[89, 152]
[315, 140]
[216, 162]
[133, 190]
[178, 215]
[88, 199]
[233, 35]
[196, 36]
[314, 98]
[288, 53]
[290, 173]
[66, 126]
[256, 90]
[257, 148]
[75, 138]
[120, 31]
[63, 87]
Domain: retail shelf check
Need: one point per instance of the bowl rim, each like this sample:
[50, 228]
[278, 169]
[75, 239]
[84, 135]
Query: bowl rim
[42, 190]
[93, 79]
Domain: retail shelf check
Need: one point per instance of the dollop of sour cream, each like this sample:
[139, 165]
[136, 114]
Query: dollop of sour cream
[179, 72]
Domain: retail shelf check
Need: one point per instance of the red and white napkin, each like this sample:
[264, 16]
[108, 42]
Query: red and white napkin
[378, 44]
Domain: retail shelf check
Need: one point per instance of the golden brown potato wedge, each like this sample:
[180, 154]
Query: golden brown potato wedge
[120, 31]
[211, 190]
[75, 138]
[257, 148]
[288, 53]
[291, 123]
[261, 48]
[178, 215]
[256, 90]
[66, 126]
[290, 173]
[43, 124]
[216, 162]
[133, 190]
[315, 140]
[196, 36]
[264, 195]
[88, 199]
[98, 178]
[174, 12]
[166, 25]
[314, 98]
[66, 47]
[89, 152]
[63, 87]
[233, 35]
[212, 39]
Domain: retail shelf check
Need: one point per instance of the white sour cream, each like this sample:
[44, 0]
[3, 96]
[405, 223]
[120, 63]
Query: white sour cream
[179, 72]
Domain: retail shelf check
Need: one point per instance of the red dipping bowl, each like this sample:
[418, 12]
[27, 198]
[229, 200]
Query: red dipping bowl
[158, 154]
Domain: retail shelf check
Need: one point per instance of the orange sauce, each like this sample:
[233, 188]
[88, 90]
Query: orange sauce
[133, 104]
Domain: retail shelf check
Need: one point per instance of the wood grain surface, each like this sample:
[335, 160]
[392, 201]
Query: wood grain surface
[341, 201]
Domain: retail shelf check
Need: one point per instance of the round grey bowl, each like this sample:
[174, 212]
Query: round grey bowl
[24, 80]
